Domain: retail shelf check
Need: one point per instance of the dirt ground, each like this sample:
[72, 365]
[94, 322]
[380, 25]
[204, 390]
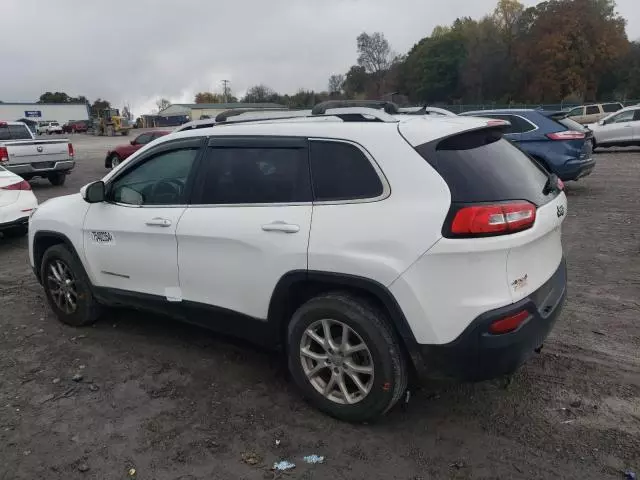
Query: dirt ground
[175, 402]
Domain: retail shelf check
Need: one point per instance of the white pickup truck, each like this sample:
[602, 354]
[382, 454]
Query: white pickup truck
[23, 155]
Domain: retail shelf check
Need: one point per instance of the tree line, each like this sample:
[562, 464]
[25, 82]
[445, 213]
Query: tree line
[570, 51]
[62, 97]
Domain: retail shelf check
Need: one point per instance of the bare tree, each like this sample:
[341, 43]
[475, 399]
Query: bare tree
[259, 94]
[162, 103]
[374, 53]
[335, 83]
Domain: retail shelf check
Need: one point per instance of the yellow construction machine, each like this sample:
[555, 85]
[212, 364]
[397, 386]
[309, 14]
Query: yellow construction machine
[111, 123]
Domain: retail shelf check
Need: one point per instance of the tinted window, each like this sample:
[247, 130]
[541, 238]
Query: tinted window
[160, 180]
[611, 107]
[14, 132]
[341, 171]
[480, 166]
[593, 110]
[637, 115]
[576, 112]
[143, 139]
[233, 175]
[623, 117]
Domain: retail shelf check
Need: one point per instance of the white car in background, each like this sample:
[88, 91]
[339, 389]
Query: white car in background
[17, 201]
[620, 129]
[49, 128]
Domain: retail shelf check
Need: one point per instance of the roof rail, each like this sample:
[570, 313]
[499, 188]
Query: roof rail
[389, 107]
[223, 116]
[346, 114]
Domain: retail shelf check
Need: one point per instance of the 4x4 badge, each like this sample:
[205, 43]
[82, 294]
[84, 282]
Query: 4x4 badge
[560, 211]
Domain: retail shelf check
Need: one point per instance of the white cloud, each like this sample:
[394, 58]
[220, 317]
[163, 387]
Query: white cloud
[140, 50]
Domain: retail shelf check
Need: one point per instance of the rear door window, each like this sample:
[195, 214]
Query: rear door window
[341, 171]
[611, 107]
[14, 132]
[593, 110]
[480, 166]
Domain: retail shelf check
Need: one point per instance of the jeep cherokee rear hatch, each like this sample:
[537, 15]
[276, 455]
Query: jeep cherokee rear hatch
[505, 216]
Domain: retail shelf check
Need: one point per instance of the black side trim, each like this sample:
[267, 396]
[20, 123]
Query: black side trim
[21, 222]
[217, 319]
[279, 313]
[44, 239]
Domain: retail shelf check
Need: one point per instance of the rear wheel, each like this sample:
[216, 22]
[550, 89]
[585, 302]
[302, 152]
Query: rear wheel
[345, 357]
[57, 179]
[67, 287]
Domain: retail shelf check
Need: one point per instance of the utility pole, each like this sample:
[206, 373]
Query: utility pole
[225, 90]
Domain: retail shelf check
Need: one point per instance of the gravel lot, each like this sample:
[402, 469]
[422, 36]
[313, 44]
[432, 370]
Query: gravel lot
[176, 402]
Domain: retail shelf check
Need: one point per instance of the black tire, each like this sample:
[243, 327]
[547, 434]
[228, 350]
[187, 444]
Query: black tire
[57, 179]
[87, 310]
[16, 232]
[389, 362]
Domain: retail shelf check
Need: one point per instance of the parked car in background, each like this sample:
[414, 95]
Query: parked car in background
[121, 152]
[561, 145]
[620, 129]
[17, 201]
[264, 230]
[49, 128]
[586, 114]
[22, 154]
[76, 126]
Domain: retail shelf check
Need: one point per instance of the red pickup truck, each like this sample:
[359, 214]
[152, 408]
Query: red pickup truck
[75, 126]
[118, 154]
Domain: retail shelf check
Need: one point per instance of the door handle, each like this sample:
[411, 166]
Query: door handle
[281, 227]
[159, 222]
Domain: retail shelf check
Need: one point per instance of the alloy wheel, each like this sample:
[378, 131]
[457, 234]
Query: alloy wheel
[62, 286]
[337, 361]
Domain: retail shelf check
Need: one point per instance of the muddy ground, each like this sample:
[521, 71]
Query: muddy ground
[176, 402]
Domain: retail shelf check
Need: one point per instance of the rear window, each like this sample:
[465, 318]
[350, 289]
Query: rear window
[481, 166]
[611, 107]
[14, 132]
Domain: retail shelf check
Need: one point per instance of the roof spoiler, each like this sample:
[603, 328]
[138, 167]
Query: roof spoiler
[389, 107]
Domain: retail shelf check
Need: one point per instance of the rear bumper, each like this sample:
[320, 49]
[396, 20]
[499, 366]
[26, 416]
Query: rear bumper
[576, 169]
[35, 169]
[479, 355]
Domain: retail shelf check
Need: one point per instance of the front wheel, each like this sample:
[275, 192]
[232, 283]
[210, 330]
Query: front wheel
[346, 358]
[57, 179]
[67, 287]
[115, 161]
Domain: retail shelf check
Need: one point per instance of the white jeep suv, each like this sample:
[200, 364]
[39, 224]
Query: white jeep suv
[365, 247]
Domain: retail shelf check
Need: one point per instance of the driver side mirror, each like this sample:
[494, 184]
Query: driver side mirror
[94, 192]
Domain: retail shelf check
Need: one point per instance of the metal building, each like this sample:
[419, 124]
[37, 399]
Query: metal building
[60, 112]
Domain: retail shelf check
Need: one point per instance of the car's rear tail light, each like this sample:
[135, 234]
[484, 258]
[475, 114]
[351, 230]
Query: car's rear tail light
[71, 152]
[23, 185]
[508, 324]
[493, 219]
[567, 135]
[4, 154]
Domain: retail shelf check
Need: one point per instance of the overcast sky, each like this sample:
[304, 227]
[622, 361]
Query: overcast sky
[139, 50]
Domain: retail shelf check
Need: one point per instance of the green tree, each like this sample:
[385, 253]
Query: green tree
[98, 106]
[208, 97]
[57, 97]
